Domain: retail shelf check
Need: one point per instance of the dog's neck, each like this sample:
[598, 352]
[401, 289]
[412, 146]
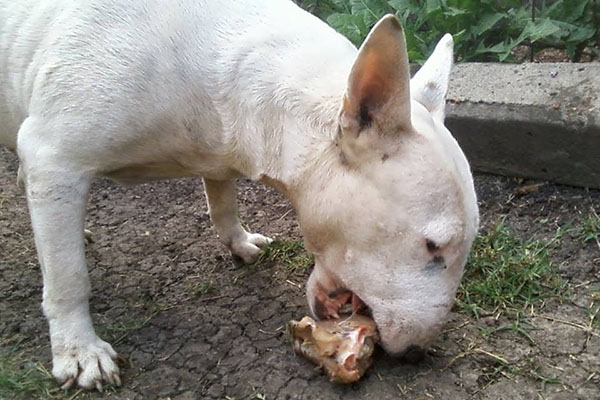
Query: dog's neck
[300, 141]
[284, 115]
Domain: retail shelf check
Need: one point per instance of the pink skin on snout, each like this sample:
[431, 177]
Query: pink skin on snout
[327, 297]
[408, 313]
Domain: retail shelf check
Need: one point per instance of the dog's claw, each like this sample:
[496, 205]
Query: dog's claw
[68, 383]
[116, 379]
[111, 378]
[90, 365]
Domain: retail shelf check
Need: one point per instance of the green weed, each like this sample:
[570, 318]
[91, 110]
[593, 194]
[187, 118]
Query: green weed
[506, 275]
[117, 331]
[289, 253]
[483, 30]
[531, 371]
[19, 381]
[593, 310]
[257, 394]
[198, 289]
[494, 366]
[590, 228]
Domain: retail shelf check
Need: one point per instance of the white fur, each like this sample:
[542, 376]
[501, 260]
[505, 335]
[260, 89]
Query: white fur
[430, 83]
[140, 90]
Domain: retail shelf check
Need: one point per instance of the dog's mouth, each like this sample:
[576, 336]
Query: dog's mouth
[340, 301]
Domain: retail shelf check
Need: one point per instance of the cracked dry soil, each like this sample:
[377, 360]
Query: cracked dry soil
[196, 325]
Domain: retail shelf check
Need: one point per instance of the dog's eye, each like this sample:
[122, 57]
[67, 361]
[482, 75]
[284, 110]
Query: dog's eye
[431, 245]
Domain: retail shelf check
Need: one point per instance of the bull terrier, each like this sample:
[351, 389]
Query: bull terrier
[140, 90]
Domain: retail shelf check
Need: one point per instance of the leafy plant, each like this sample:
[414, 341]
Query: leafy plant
[483, 29]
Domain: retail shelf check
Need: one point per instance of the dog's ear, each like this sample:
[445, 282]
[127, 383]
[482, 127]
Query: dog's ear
[379, 83]
[430, 84]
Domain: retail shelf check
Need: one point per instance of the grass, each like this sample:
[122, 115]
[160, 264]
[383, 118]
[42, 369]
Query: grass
[517, 326]
[529, 370]
[198, 289]
[589, 230]
[21, 380]
[593, 310]
[586, 229]
[117, 331]
[257, 394]
[288, 253]
[506, 275]
[492, 366]
[25, 382]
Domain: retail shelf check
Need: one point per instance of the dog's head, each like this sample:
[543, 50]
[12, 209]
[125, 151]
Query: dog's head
[392, 213]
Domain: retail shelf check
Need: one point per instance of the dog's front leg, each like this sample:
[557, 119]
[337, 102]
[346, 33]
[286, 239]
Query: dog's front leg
[56, 195]
[222, 206]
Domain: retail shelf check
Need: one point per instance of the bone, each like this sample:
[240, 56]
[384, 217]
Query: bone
[342, 347]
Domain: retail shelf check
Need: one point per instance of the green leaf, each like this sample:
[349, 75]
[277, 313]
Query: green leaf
[575, 33]
[566, 11]
[433, 6]
[581, 34]
[455, 12]
[489, 29]
[458, 37]
[487, 22]
[342, 5]
[369, 10]
[348, 25]
[405, 5]
[538, 29]
[571, 49]
[501, 47]
[502, 50]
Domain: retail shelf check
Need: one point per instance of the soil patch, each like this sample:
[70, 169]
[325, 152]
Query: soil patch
[197, 325]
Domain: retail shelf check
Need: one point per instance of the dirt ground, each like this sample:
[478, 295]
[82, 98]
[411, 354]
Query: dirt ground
[196, 325]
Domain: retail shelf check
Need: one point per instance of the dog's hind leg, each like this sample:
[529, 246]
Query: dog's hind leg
[222, 206]
[57, 191]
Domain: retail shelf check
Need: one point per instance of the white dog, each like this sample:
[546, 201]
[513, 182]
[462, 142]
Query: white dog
[136, 90]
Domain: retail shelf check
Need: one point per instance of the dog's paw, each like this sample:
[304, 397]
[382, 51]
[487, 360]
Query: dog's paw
[248, 247]
[90, 365]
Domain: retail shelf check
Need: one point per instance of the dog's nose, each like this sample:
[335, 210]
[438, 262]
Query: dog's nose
[414, 354]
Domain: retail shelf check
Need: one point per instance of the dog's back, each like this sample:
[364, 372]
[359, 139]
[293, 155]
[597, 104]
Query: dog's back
[124, 62]
[174, 87]
[23, 26]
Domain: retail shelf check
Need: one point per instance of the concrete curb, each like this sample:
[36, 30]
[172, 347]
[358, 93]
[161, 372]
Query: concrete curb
[529, 120]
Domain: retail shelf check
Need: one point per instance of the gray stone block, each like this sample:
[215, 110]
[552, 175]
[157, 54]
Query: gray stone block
[529, 120]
